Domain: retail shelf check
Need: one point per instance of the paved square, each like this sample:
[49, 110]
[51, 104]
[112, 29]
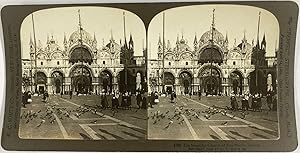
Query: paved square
[193, 119]
[80, 118]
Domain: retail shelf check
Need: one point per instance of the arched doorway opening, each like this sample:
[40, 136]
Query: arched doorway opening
[169, 82]
[57, 79]
[210, 54]
[80, 54]
[124, 86]
[41, 81]
[236, 80]
[185, 80]
[81, 80]
[106, 81]
[210, 80]
[258, 82]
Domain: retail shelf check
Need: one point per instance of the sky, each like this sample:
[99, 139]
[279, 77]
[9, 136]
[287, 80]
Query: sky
[235, 20]
[99, 20]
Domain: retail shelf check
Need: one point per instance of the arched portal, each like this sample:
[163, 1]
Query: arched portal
[185, 80]
[57, 79]
[80, 54]
[258, 82]
[210, 54]
[210, 80]
[106, 81]
[126, 86]
[40, 81]
[169, 82]
[81, 79]
[236, 80]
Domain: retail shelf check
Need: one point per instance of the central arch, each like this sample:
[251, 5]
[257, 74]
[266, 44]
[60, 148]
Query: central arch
[210, 54]
[131, 82]
[81, 79]
[169, 82]
[40, 81]
[236, 80]
[106, 81]
[57, 79]
[80, 54]
[185, 81]
[210, 80]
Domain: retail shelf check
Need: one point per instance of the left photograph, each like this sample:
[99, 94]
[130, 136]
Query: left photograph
[83, 75]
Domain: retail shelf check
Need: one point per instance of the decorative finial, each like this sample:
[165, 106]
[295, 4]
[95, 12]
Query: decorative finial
[111, 35]
[79, 18]
[244, 36]
[213, 19]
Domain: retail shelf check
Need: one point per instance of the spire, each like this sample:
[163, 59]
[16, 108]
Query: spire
[48, 41]
[234, 42]
[39, 44]
[177, 41]
[130, 39]
[30, 41]
[226, 38]
[264, 38]
[159, 40]
[195, 40]
[95, 40]
[79, 20]
[213, 20]
[65, 38]
[111, 35]
[258, 26]
[263, 42]
[124, 28]
[244, 39]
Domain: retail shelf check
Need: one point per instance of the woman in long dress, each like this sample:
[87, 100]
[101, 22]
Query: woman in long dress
[156, 100]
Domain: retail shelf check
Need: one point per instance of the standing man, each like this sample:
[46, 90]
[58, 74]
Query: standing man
[199, 95]
[139, 99]
[71, 93]
[269, 100]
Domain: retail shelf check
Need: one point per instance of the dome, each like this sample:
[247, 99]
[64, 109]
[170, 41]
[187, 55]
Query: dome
[52, 46]
[245, 47]
[181, 46]
[218, 37]
[86, 37]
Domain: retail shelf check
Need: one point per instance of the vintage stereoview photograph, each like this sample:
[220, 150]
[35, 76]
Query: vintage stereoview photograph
[84, 75]
[212, 74]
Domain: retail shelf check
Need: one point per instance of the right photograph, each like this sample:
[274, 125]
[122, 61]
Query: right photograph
[212, 73]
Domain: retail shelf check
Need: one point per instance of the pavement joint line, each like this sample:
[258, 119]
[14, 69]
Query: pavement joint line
[194, 134]
[84, 119]
[101, 124]
[219, 132]
[109, 117]
[237, 118]
[231, 126]
[90, 131]
[61, 127]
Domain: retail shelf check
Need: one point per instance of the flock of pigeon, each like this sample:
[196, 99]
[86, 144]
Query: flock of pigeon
[177, 115]
[55, 111]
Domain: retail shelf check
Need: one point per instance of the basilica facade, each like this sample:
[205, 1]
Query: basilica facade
[81, 66]
[211, 66]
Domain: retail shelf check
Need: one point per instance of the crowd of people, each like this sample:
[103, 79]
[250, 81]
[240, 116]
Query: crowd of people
[123, 100]
[254, 102]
